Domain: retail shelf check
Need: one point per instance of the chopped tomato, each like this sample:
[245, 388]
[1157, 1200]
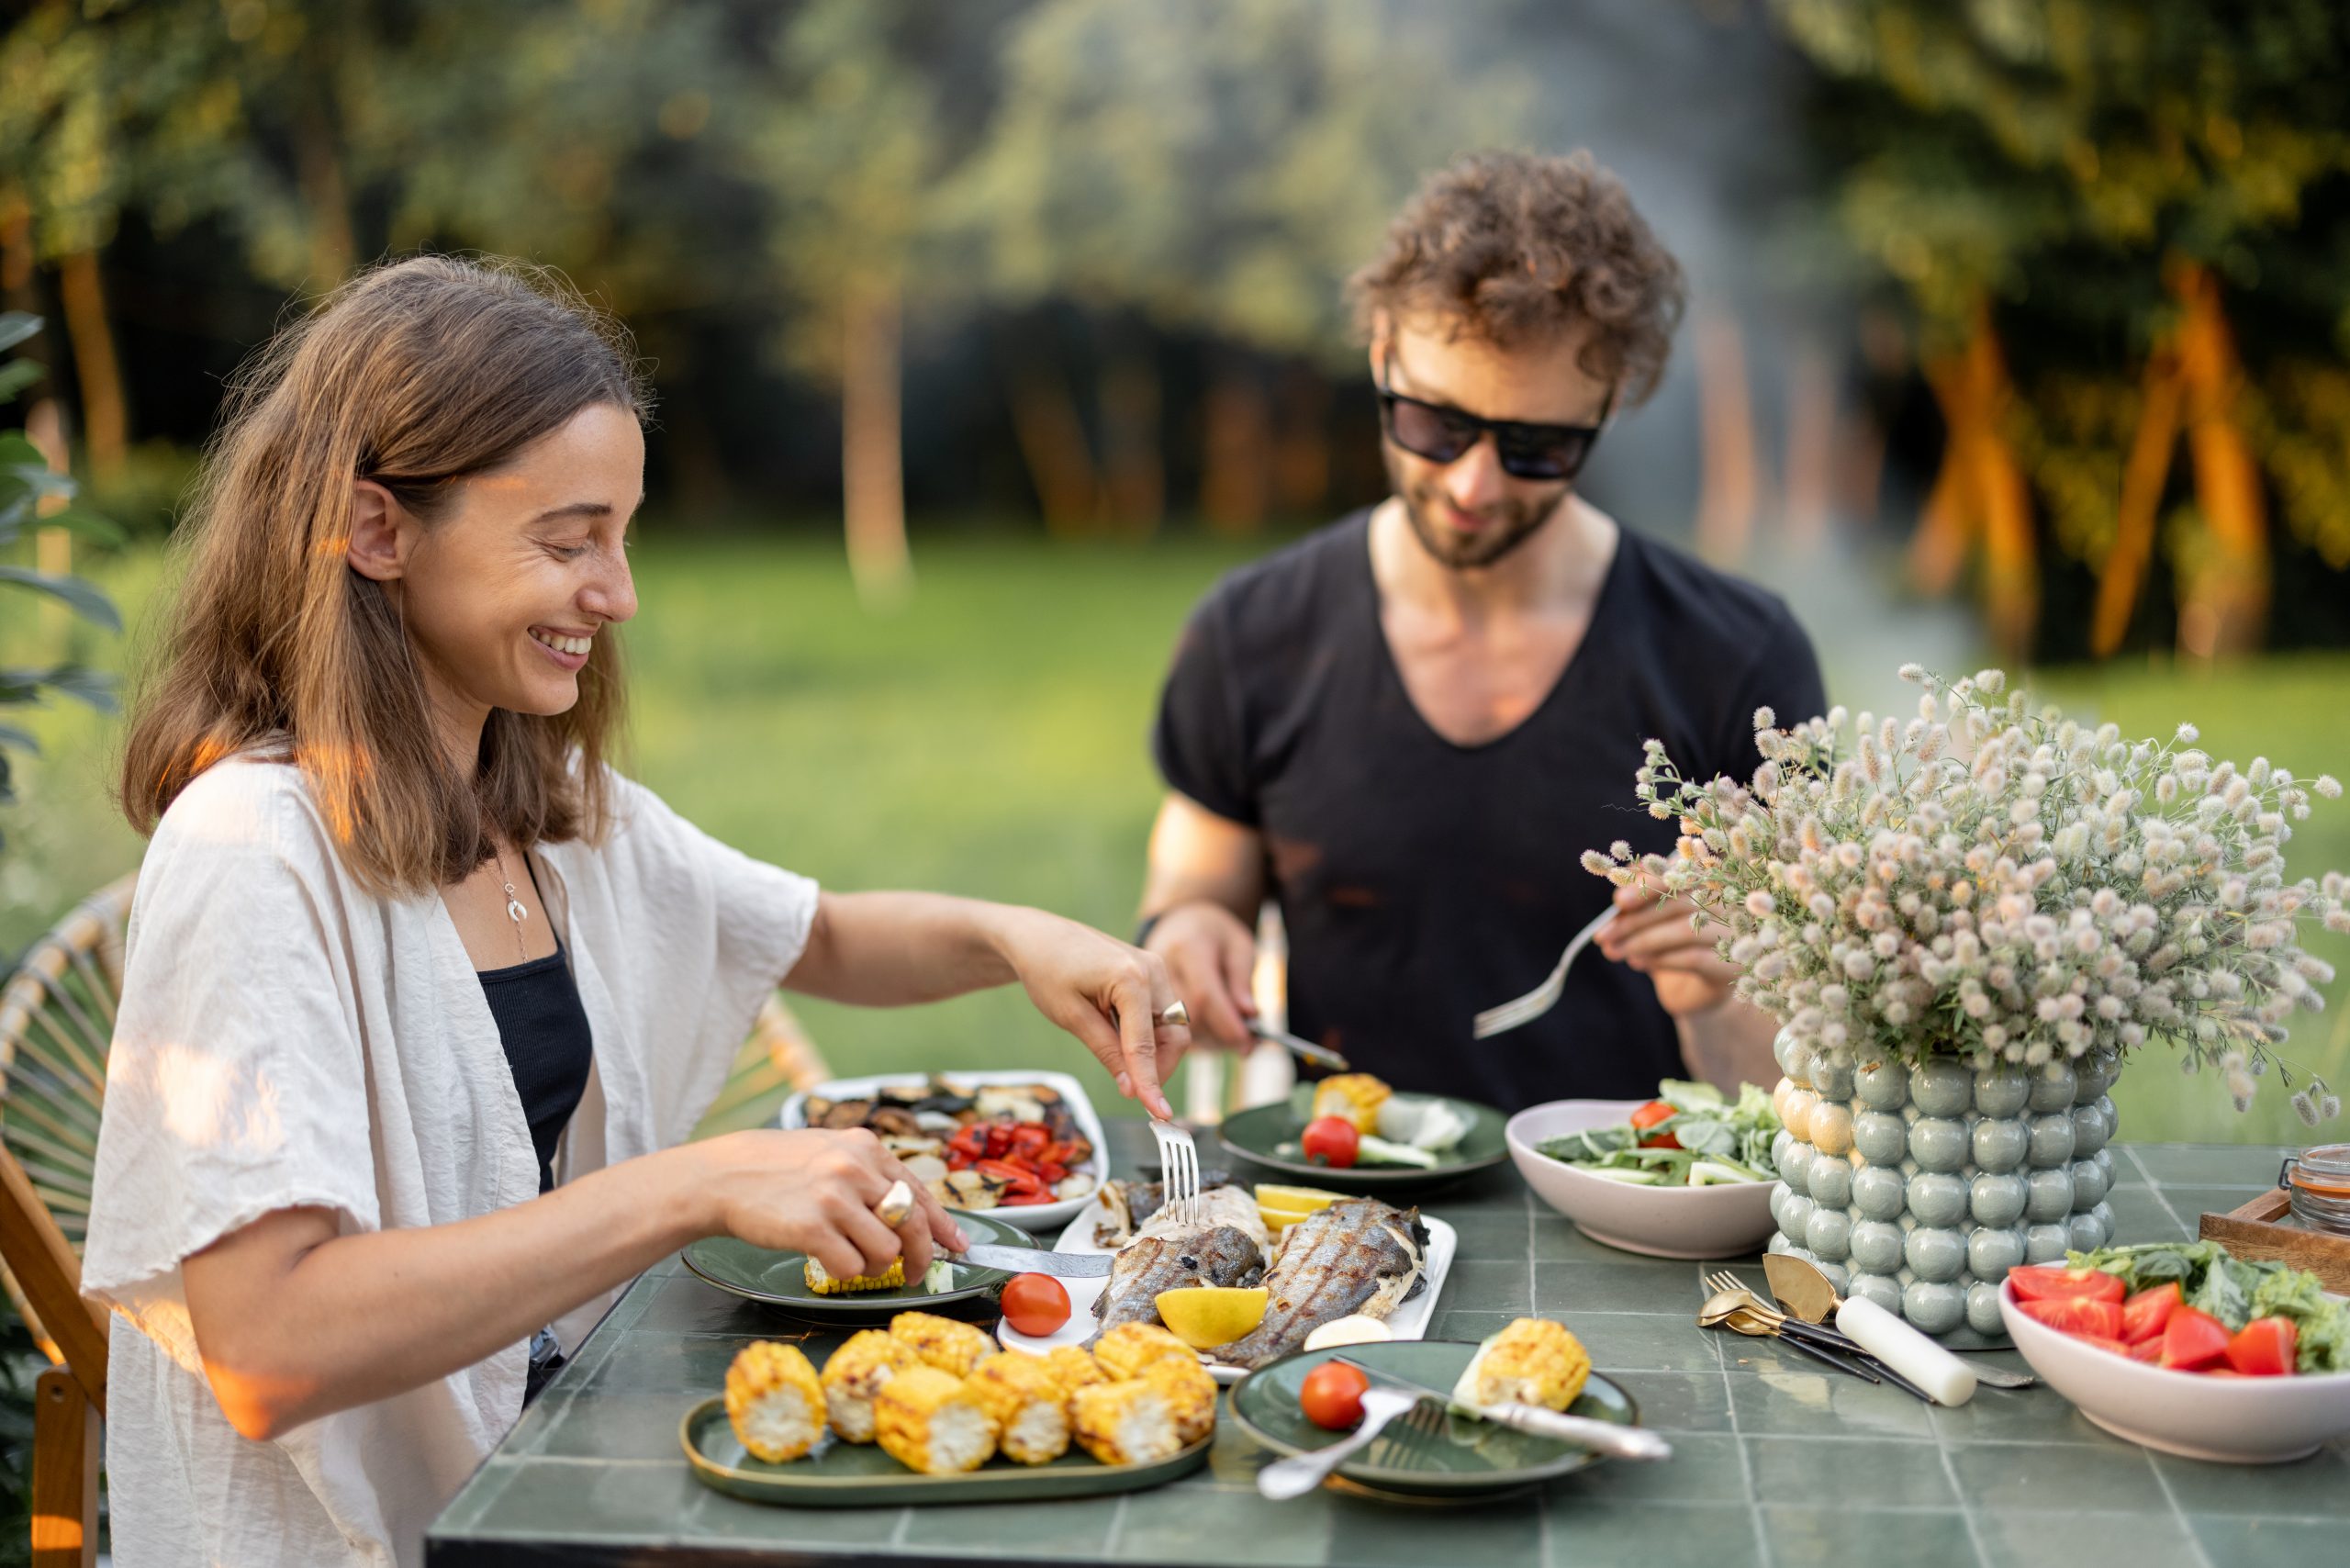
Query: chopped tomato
[2076, 1316]
[2143, 1314]
[1331, 1396]
[1035, 1305]
[1649, 1115]
[2148, 1350]
[1333, 1141]
[2044, 1283]
[2266, 1347]
[2193, 1340]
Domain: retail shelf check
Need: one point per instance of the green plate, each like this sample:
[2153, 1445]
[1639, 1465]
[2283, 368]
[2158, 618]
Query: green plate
[780, 1279]
[1253, 1135]
[859, 1475]
[1466, 1456]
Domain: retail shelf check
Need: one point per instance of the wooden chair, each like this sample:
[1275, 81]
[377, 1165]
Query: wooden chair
[56, 1023]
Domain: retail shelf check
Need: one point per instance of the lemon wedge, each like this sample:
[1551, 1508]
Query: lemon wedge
[1279, 1220]
[1299, 1200]
[1205, 1316]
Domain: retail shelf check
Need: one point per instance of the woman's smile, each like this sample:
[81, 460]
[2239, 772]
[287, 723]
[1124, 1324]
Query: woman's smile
[567, 649]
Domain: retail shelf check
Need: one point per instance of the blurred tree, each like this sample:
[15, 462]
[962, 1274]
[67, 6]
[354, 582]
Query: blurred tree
[1223, 164]
[2081, 200]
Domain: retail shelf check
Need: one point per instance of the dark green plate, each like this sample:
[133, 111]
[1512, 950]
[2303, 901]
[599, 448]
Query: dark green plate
[1466, 1456]
[780, 1279]
[1253, 1135]
[859, 1475]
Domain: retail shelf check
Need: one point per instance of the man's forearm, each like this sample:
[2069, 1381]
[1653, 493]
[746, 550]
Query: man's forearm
[1731, 1045]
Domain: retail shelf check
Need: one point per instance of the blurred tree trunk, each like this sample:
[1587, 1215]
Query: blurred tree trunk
[1051, 434]
[1812, 450]
[2144, 473]
[873, 495]
[1134, 471]
[319, 167]
[105, 418]
[1730, 467]
[1236, 464]
[1301, 443]
[2226, 595]
[1980, 491]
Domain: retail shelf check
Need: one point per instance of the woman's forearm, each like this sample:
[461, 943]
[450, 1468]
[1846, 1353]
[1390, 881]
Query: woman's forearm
[889, 949]
[296, 1322]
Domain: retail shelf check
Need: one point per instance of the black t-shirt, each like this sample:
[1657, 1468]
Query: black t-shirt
[544, 1031]
[1421, 881]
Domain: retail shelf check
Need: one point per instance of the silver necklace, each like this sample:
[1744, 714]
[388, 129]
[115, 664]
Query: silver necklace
[515, 910]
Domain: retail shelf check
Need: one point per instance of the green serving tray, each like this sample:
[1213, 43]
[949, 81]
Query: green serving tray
[1466, 1457]
[780, 1279]
[1253, 1135]
[859, 1475]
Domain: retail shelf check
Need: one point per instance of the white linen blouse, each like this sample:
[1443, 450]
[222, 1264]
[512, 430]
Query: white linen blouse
[287, 1038]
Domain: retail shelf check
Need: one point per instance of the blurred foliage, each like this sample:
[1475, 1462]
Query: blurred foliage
[2145, 206]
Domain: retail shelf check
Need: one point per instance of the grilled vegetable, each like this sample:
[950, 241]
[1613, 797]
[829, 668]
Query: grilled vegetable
[942, 1342]
[1532, 1362]
[1124, 1351]
[1190, 1393]
[934, 1422]
[1355, 1097]
[774, 1402]
[865, 1361]
[1073, 1368]
[823, 1283]
[1127, 1423]
[1027, 1403]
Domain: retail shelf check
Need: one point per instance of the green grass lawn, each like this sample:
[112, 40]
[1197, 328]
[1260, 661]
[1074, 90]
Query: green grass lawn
[990, 739]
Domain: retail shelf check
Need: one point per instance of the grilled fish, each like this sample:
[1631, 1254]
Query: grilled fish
[1131, 1204]
[1225, 1246]
[1358, 1256]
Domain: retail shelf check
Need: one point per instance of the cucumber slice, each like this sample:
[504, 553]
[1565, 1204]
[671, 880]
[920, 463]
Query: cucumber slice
[1719, 1173]
[1630, 1178]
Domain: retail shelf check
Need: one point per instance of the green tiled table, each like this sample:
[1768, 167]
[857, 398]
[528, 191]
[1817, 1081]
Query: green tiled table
[1763, 1441]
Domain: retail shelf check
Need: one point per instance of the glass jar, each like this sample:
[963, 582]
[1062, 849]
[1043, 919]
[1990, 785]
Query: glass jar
[2319, 1181]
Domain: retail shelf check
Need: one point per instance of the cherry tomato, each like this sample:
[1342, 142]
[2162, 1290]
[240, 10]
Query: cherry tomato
[2193, 1340]
[1035, 1305]
[2042, 1283]
[1333, 1141]
[1332, 1396]
[2143, 1314]
[1649, 1115]
[2266, 1347]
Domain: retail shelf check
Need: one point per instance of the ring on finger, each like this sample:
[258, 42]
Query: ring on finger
[1175, 1015]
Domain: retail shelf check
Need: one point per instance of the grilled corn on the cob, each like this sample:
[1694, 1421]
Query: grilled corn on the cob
[865, 1361]
[1190, 1394]
[1125, 1350]
[1532, 1362]
[943, 1342]
[1127, 1423]
[823, 1283]
[1073, 1367]
[1027, 1403]
[1354, 1095]
[774, 1401]
[932, 1422]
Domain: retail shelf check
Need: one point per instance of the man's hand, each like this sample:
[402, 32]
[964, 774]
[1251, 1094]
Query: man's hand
[1653, 936]
[1210, 958]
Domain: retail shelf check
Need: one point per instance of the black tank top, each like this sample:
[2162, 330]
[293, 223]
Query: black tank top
[544, 1031]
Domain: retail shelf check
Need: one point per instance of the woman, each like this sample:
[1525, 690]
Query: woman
[421, 996]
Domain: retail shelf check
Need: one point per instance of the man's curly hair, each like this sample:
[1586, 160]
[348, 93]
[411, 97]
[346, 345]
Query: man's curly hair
[1518, 248]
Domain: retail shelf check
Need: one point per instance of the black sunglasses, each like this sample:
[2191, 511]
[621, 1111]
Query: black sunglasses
[1442, 433]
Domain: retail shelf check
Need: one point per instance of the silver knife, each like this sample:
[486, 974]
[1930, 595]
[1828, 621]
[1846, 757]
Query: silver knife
[1611, 1437]
[1036, 1260]
[1302, 1048]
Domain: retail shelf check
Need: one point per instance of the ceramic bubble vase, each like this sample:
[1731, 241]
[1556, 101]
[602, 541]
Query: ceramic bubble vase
[1921, 1187]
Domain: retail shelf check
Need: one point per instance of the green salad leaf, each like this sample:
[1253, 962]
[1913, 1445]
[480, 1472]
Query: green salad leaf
[1731, 1137]
[2236, 1291]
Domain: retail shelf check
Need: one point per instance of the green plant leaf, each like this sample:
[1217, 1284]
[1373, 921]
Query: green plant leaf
[86, 600]
[16, 326]
[15, 739]
[16, 374]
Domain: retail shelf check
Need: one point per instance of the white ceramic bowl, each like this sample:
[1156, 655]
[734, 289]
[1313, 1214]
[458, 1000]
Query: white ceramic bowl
[1662, 1221]
[2232, 1420]
[1035, 1219]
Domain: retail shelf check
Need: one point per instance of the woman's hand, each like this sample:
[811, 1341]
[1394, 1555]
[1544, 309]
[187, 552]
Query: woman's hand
[1654, 935]
[1104, 993]
[814, 1192]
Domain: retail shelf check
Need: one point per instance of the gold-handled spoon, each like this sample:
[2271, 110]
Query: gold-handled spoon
[1735, 1310]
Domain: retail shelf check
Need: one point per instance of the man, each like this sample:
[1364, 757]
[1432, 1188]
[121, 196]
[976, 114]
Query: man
[1407, 727]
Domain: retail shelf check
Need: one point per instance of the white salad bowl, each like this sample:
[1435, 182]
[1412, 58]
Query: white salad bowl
[2230, 1420]
[1663, 1222]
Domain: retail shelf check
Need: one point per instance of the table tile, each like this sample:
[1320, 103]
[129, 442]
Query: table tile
[1494, 1234]
[1820, 1403]
[717, 1517]
[1800, 1472]
[2140, 1539]
[1665, 1288]
[2319, 1484]
[1679, 1402]
[1488, 1285]
[2024, 1414]
[1914, 1539]
[1395, 1535]
[551, 1499]
[2267, 1543]
[688, 1304]
[1557, 1240]
[2141, 1214]
[1179, 1524]
[1452, 1324]
[1628, 1341]
[1705, 1468]
[606, 1424]
[2068, 1477]
[2207, 1164]
[1069, 1526]
[1697, 1535]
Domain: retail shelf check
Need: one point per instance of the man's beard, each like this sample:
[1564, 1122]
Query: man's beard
[1514, 522]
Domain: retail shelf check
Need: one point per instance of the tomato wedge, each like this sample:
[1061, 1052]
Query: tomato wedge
[2044, 1283]
[2150, 1351]
[2077, 1315]
[2193, 1340]
[1649, 1115]
[2266, 1347]
[2143, 1314]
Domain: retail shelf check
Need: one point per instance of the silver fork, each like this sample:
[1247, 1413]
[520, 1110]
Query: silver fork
[1178, 1162]
[1300, 1473]
[1543, 998]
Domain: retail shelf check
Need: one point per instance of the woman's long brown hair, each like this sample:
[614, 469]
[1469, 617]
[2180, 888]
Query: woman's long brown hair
[415, 374]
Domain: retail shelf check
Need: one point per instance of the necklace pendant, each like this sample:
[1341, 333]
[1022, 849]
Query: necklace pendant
[515, 911]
